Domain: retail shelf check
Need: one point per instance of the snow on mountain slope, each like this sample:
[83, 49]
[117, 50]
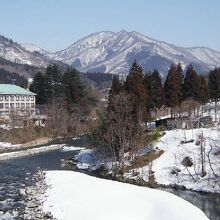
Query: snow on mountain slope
[14, 52]
[115, 52]
[206, 55]
[34, 48]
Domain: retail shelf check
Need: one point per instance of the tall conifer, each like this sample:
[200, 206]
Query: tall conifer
[154, 87]
[39, 87]
[134, 85]
[214, 87]
[191, 84]
[116, 88]
[172, 89]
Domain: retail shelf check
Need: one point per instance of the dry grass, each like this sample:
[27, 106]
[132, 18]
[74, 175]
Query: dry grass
[23, 135]
[147, 159]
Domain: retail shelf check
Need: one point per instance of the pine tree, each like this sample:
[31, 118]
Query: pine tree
[203, 90]
[39, 87]
[148, 81]
[157, 90]
[53, 82]
[154, 87]
[74, 91]
[181, 80]
[191, 84]
[134, 85]
[116, 88]
[214, 87]
[172, 89]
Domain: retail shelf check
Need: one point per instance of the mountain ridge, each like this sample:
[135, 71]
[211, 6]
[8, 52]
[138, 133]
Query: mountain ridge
[87, 53]
[113, 52]
[14, 52]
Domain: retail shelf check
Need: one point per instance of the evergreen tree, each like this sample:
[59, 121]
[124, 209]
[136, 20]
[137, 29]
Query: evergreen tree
[191, 84]
[74, 90]
[148, 81]
[214, 87]
[157, 90]
[39, 87]
[7, 77]
[203, 90]
[116, 88]
[172, 89]
[154, 87]
[134, 85]
[53, 82]
[181, 80]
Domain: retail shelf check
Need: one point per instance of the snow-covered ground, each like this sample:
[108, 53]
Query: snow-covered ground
[73, 195]
[5, 146]
[168, 168]
[86, 159]
[72, 148]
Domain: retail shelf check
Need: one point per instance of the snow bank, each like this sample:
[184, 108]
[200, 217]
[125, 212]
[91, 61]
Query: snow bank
[168, 169]
[6, 146]
[72, 148]
[78, 196]
[85, 159]
[22, 153]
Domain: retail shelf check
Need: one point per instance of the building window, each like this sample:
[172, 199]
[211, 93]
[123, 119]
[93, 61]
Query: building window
[17, 105]
[6, 98]
[32, 98]
[6, 105]
[12, 98]
[22, 98]
[1, 98]
[27, 105]
[32, 105]
[1, 105]
[12, 105]
[27, 98]
[17, 98]
[22, 105]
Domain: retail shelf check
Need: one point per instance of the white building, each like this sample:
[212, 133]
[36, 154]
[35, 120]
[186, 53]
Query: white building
[14, 99]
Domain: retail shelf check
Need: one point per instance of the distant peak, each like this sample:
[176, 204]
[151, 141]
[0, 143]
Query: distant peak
[123, 32]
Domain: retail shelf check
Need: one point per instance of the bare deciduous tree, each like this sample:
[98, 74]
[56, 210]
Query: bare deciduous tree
[119, 132]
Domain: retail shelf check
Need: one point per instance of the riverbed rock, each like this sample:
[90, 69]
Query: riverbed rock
[33, 209]
[187, 162]
[22, 191]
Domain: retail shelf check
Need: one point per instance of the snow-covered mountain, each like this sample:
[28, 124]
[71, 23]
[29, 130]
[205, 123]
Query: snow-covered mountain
[115, 52]
[14, 52]
[34, 48]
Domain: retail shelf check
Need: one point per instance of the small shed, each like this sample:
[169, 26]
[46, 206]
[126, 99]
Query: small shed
[203, 122]
[174, 123]
[184, 122]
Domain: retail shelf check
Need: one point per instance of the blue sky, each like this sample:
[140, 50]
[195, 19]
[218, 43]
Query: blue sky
[55, 24]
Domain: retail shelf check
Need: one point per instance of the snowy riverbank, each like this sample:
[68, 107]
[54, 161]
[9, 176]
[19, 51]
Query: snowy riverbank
[73, 195]
[169, 168]
[37, 150]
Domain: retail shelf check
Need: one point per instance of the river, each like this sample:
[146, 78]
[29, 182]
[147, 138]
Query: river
[20, 172]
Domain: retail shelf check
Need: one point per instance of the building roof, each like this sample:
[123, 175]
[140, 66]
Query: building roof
[9, 89]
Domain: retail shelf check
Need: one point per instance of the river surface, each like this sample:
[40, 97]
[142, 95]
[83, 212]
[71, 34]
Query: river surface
[20, 172]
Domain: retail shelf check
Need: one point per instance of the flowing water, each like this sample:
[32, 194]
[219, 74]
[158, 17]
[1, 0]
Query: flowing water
[18, 173]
